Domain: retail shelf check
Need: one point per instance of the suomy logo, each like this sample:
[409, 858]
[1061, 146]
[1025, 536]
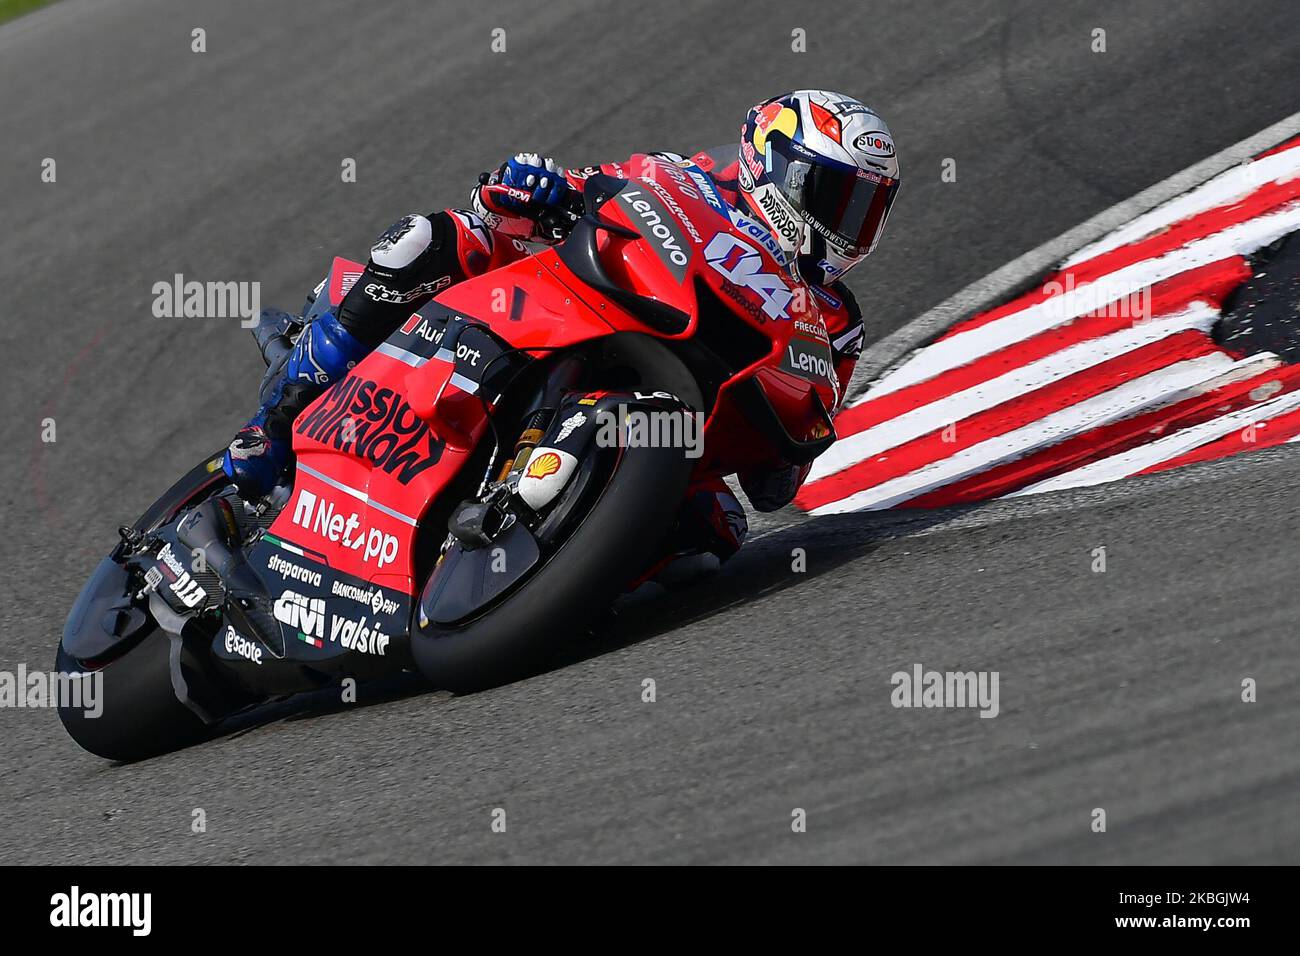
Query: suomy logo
[320, 516]
[875, 144]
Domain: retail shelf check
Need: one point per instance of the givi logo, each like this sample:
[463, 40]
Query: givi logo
[304, 613]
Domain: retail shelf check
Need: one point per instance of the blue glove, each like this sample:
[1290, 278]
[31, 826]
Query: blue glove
[542, 177]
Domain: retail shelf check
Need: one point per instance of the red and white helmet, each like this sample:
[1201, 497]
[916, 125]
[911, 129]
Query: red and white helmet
[822, 171]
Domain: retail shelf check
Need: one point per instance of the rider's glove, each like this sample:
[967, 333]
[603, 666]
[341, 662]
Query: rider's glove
[527, 197]
[542, 177]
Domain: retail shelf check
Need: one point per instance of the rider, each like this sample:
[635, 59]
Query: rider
[817, 168]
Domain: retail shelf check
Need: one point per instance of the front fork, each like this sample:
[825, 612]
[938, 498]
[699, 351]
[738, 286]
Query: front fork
[537, 495]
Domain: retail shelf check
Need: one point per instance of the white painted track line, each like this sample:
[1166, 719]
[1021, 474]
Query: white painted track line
[1158, 388]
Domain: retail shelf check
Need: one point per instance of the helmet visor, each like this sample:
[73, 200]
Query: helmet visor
[845, 204]
[849, 204]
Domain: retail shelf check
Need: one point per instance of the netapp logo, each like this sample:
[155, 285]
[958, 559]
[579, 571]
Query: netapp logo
[77, 909]
[323, 518]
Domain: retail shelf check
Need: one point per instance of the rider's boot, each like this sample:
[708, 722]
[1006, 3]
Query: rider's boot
[711, 527]
[771, 489]
[260, 452]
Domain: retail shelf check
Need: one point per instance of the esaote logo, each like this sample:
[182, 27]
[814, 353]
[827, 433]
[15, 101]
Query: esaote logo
[320, 516]
[236, 643]
[543, 465]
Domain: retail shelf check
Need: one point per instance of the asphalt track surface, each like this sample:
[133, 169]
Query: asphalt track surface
[1118, 690]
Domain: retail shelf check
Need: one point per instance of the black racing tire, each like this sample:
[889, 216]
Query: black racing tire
[613, 543]
[142, 716]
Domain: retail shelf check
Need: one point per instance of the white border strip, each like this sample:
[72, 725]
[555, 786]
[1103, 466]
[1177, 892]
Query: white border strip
[1156, 388]
[986, 292]
[962, 348]
[980, 398]
[1129, 463]
[1233, 184]
[402, 355]
[361, 496]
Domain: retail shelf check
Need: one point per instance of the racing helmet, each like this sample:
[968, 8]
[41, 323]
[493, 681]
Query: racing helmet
[820, 168]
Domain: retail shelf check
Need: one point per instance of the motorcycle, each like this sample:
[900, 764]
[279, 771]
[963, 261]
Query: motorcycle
[472, 493]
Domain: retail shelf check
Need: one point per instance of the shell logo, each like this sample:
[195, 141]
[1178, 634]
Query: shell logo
[543, 465]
